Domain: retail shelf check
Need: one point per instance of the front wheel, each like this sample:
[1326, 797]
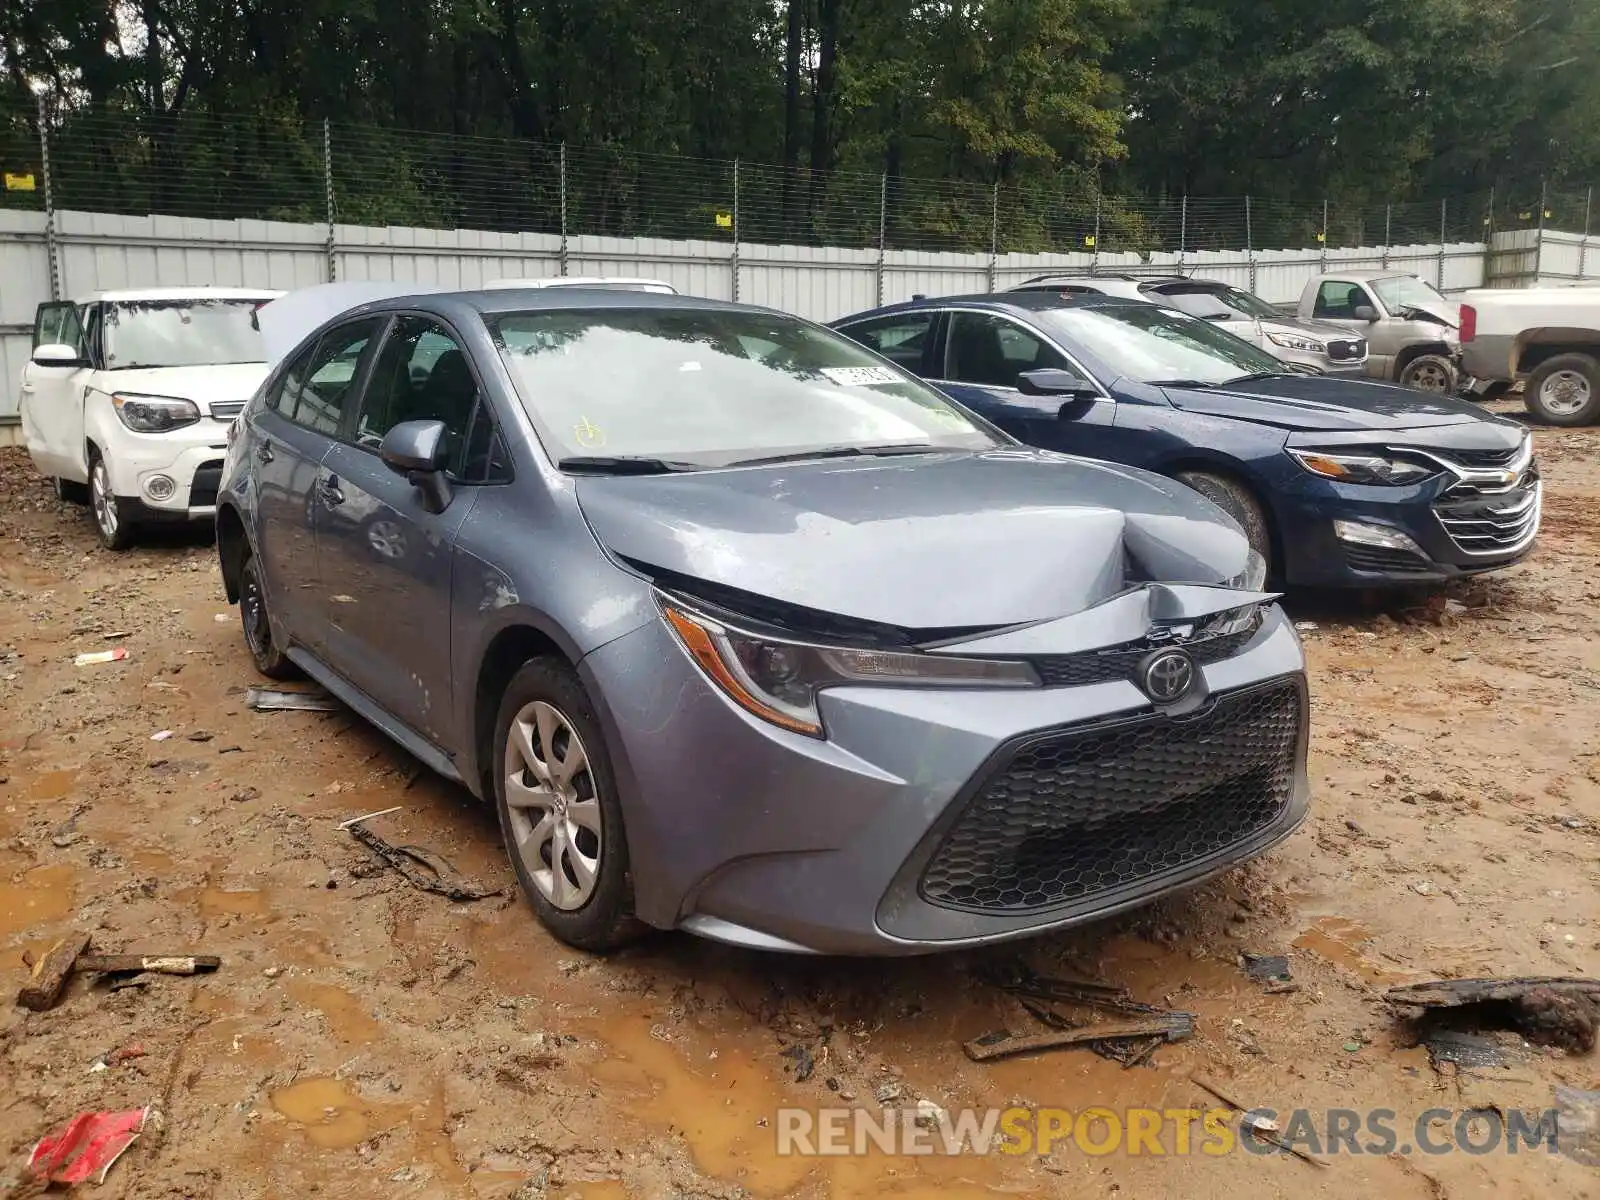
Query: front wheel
[1565, 390]
[112, 519]
[1433, 373]
[559, 814]
[1239, 502]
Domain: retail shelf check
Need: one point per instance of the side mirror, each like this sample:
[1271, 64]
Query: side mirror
[56, 354]
[1052, 381]
[419, 450]
[1365, 312]
[1218, 316]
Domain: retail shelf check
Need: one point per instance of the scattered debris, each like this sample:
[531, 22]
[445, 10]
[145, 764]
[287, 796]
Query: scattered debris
[422, 868]
[51, 970]
[200, 735]
[1463, 1049]
[1168, 1027]
[1040, 995]
[1551, 1010]
[115, 1058]
[804, 1062]
[930, 1115]
[1259, 1126]
[222, 618]
[888, 1093]
[1266, 967]
[245, 794]
[1306, 626]
[280, 699]
[86, 1146]
[94, 657]
[161, 735]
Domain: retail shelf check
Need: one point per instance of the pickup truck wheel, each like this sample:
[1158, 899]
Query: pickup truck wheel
[69, 492]
[111, 517]
[1429, 373]
[1235, 499]
[1565, 390]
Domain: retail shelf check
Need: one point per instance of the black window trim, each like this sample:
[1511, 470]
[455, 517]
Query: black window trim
[347, 429]
[1041, 335]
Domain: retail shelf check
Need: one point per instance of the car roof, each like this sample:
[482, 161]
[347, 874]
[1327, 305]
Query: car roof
[1098, 277]
[123, 295]
[578, 281]
[1001, 302]
[495, 301]
[1366, 275]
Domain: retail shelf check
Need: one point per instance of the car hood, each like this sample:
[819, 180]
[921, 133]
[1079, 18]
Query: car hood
[934, 542]
[1325, 402]
[225, 383]
[1326, 331]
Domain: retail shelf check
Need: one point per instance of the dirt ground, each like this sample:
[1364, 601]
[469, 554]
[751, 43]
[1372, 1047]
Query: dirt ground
[364, 1038]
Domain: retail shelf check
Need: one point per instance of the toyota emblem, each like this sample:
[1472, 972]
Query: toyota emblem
[1167, 676]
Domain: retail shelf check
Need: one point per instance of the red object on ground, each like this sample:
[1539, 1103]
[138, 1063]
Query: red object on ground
[86, 1146]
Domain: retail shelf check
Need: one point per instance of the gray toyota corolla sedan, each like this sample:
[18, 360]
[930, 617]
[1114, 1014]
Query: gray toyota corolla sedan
[746, 631]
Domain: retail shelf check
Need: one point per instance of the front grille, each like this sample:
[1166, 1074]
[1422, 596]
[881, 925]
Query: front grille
[1492, 524]
[1344, 351]
[1079, 811]
[207, 481]
[1120, 662]
[1383, 561]
[1482, 458]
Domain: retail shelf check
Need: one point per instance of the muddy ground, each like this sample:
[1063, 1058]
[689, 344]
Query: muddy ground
[366, 1039]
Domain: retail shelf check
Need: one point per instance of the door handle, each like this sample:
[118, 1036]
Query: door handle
[331, 494]
[264, 452]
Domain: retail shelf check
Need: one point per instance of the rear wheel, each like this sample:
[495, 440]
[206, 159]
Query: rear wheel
[1565, 390]
[1239, 502]
[112, 518]
[558, 807]
[1429, 373]
[270, 660]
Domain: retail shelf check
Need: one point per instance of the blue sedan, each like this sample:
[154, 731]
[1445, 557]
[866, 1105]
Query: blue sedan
[1337, 482]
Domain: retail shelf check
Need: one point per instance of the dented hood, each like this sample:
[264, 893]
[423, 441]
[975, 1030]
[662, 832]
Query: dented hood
[923, 542]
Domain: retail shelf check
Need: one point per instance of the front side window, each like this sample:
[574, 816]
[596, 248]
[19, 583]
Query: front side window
[711, 388]
[1159, 345]
[989, 349]
[1338, 300]
[181, 333]
[903, 340]
[317, 400]
[421, 374]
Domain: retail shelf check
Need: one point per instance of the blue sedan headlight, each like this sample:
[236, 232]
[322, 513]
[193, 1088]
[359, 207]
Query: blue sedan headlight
[1379, 469]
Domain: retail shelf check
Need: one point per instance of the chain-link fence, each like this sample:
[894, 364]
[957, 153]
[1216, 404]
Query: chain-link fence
[277, 167]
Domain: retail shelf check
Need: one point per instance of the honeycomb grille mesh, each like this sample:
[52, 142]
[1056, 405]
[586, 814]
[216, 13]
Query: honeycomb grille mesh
[1086, 811]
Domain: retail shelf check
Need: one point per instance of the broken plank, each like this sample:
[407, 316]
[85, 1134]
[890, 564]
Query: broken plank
[50, 972]
[1170, 1026]
[164, 964]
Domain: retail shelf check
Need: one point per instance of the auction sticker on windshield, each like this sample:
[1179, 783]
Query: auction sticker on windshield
[860, 376]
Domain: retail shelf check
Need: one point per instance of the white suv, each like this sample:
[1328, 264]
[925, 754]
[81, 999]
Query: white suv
[128, 396]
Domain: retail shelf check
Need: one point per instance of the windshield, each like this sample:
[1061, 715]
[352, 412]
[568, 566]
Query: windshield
[713, 388]
[1160, 345]
[1229, 297]
[182, 333]
[1406, 291]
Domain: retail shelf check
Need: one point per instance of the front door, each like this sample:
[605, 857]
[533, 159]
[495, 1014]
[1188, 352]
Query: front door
[983, 355]
[292, 434]
[52, 397]
[386, 560]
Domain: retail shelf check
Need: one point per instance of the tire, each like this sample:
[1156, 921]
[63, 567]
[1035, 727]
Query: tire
[1565, 390]
[269, 658]
[573, 870]
[1431, 373]
[1240, 503]
[113, 519]
[69, 492]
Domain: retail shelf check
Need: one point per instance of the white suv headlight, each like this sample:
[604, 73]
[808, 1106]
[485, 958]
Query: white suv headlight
[1296, 341]
[154, 414]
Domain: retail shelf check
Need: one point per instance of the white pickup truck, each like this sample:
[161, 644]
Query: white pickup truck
[1549, 337]
[127, 397]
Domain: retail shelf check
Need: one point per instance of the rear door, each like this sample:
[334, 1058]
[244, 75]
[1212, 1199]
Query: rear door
[982, 355]
[291, 435]
[386, 560]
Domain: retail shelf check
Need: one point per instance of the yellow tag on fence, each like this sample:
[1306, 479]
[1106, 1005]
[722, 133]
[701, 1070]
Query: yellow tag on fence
[724, 220]
[20, 183]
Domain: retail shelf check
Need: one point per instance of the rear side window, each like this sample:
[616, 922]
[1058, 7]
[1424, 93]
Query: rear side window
[317, 397]
[903, 340]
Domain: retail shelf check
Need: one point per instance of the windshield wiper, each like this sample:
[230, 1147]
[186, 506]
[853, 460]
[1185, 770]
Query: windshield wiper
[839, 452]
[622, 464]
[1183, 383]
[1251, 378]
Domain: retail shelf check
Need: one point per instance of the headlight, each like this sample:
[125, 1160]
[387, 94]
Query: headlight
[1362, 468]
[1254, 576]
[778, 680]
[1295, 341]
[154, 414]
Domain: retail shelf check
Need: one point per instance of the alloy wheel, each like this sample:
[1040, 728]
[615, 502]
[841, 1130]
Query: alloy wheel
[1431, 378]
[102, 499]
[1564, 393]
[551, 801]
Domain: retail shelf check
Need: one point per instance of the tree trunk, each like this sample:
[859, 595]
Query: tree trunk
[793, 44]
[822, 98]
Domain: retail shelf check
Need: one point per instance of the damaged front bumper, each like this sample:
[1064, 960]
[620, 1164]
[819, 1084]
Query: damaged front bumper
[932, 818]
